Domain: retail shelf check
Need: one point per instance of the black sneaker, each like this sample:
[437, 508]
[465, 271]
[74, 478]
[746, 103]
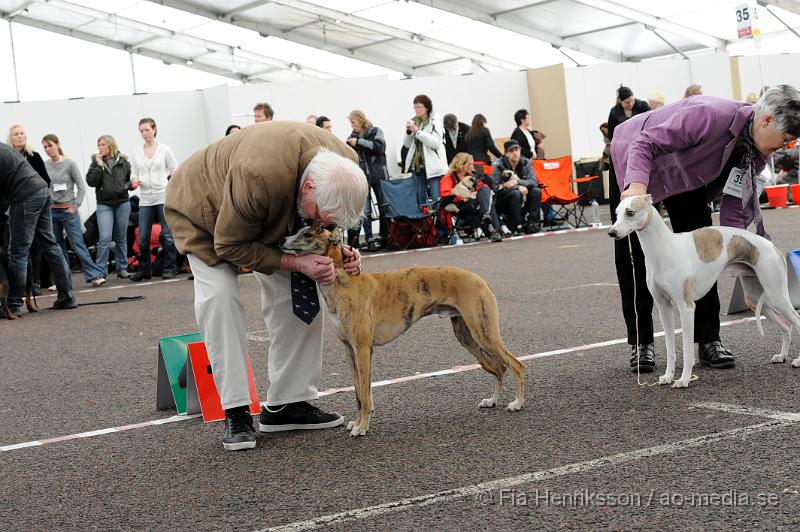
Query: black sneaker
[646, 359]
[239, 431]
[168, 275]
[124, 274]
[531, 228]
[140, 276]
[714, 355]
[296, 416]
[63, 302]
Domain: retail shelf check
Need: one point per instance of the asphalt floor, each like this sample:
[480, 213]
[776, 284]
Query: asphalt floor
[590, 450]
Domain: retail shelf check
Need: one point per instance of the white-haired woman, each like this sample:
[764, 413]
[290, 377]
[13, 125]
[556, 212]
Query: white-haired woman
[687, 154]
[110, 175]
[229, 205]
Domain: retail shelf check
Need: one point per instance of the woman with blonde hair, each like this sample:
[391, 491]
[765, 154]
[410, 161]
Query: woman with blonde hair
[693, 90]
[472, 199]
[110, 175]
[18, 140]
[65, 180]
[370, 145]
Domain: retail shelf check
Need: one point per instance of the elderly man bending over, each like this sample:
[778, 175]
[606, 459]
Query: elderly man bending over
[228, 205]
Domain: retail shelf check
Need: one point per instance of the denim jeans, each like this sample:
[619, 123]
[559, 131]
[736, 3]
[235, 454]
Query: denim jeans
[148, 215]
[428, 190]
[72, 224]
[113, 220]
[30, 220]
[383, 222]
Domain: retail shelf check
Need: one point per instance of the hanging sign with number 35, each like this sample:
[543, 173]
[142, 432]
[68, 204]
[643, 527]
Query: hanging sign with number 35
[747, 21]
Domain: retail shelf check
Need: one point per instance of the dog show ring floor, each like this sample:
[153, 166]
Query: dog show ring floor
[83, 446]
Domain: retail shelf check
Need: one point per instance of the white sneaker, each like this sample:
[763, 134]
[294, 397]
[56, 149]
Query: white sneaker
[100, 281]
[53, 289]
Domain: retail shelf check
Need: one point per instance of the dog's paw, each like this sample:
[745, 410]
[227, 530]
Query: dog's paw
[358, 431]
[796, 362]
[350, 425]
[778, 359]
[681, 383]
[665, 379]
[514, 406]
[491, 402]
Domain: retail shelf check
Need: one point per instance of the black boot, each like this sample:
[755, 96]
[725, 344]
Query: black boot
[646, 359]
[714, 355]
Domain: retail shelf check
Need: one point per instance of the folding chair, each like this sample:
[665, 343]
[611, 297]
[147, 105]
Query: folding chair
[555, 177]
[409, 227]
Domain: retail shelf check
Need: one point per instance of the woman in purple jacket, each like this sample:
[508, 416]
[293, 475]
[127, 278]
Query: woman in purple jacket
[684, 154]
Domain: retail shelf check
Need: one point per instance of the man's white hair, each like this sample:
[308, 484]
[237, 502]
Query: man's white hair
[782, 102]
[340, 187]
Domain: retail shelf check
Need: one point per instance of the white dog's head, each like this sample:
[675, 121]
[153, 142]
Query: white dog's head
[633, 214]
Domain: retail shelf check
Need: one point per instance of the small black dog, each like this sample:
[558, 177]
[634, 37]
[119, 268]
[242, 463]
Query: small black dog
[4, 282]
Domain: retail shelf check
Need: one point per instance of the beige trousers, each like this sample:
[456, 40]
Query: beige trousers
[295, 349]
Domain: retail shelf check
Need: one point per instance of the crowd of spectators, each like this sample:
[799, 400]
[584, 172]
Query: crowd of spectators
[459, 169]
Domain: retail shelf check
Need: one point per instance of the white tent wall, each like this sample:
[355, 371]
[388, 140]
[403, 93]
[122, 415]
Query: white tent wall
[217, 112]
[78, 123]
[756, 71]
[190, 120]
[388, 103]
[591, 91]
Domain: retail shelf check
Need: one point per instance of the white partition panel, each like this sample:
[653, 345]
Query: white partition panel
[78, 123]
[591, 90]
[756, 71]
[388, 103]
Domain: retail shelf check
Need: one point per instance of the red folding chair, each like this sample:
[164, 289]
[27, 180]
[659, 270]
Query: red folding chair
[555, 176]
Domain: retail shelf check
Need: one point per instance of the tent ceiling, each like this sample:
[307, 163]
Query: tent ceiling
[276, 40]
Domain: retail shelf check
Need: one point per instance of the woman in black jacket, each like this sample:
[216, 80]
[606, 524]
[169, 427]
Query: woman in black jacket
[110, 175]
[370, 145]
[479, 140]
[626, 107]
[39, 269]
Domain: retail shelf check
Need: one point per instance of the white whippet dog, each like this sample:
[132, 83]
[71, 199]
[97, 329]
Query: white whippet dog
[682, 268]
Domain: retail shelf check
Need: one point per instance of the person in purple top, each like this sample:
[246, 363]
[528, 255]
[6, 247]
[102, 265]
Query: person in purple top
[688, 154]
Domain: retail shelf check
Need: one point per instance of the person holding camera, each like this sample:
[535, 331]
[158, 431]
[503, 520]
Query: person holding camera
[426, 158]
[518, 191]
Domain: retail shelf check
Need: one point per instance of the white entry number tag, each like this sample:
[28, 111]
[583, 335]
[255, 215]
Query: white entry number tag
[59, 187]
[733, 186]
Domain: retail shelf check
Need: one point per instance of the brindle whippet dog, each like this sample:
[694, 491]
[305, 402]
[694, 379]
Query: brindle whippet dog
[373, 309]
[682, 268]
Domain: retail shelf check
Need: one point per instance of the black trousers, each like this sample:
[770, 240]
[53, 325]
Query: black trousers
[509, 204]
[687, 212]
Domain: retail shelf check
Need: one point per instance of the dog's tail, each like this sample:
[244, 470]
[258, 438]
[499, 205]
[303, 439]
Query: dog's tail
[759, 306]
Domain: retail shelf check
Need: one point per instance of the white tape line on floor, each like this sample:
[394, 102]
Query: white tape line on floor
[332, 391]
[783, 420]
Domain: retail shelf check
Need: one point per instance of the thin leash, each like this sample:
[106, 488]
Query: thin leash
[120, 299]
[636, 315]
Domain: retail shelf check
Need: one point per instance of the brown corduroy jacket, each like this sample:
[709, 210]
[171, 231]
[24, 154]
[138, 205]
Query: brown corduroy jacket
[234, 200]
